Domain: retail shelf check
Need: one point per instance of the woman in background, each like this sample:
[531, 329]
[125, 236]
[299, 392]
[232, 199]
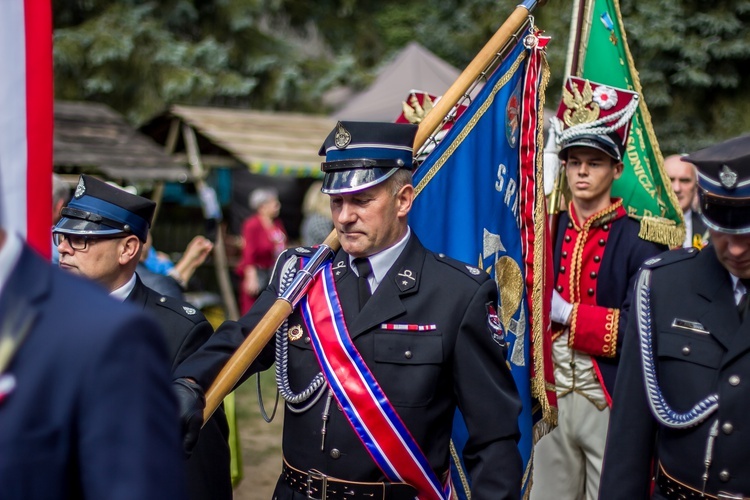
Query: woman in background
[316, 212]
[264, 239]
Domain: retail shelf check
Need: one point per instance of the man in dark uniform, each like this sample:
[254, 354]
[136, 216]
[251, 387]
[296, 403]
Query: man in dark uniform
[100, 236]
[597, 255]
[376, 422]
[680, 413]
[86, 406]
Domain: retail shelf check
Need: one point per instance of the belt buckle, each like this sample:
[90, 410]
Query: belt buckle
[724, 495]
[315, 475]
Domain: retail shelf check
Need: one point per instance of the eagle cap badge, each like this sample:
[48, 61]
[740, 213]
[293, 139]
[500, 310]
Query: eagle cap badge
[728, 177]
[80, 188]
[342, 138]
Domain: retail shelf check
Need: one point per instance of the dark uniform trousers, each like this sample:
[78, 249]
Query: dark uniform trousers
[699, 348]
[186, 329]
[426, 374]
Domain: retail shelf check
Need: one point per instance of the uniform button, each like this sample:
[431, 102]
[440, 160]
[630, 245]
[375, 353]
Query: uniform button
[307, 340]
[727, 428]
[597, 258]
[593, 275]
[408, 354]
[734, 380]
[564, 254]
[559, 288]
[601, 242]
[335, 453]
[562, 269]
[163, 299]
[724, 476]
[567, 238]
[686, 350]
[605, 227]
[590, 291]
[570, 225]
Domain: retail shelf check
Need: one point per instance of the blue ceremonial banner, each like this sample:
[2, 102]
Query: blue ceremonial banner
[477, 202]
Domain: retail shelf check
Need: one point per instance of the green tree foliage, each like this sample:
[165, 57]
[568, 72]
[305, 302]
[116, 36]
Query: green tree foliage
[140, 56]
[693, 58]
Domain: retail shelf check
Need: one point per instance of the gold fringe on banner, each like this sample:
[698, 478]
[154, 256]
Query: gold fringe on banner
[662, 230]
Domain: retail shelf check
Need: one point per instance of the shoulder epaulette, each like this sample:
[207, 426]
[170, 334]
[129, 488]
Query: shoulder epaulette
[466, 269]
[181, 307]
[670, 257]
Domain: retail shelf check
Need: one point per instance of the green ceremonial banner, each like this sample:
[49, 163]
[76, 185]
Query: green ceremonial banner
[600, 53]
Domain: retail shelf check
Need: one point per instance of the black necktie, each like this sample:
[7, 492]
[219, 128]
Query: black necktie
[364, 269]
[742, 306]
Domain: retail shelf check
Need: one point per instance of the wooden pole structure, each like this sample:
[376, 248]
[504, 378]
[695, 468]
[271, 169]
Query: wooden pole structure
[220, 253]
[266, 328]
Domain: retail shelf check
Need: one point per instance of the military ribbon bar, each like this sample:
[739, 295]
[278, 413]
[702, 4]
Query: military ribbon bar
[361, 398]
[407, 328]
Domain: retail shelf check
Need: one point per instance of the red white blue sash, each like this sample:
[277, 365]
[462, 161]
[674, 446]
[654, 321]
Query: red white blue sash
[360, 396]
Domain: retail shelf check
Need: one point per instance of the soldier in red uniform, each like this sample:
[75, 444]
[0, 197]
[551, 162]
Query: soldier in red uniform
[596, 256]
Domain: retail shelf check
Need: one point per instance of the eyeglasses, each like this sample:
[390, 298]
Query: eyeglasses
[81, 242]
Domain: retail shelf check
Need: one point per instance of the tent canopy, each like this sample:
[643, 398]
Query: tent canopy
[92, 138]
[414, 67]
[271, 143]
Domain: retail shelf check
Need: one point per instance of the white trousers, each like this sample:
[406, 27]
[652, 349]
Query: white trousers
[568, 460]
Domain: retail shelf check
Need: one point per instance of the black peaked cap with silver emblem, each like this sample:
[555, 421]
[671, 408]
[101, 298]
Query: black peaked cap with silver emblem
[360, 155]
[724, 182]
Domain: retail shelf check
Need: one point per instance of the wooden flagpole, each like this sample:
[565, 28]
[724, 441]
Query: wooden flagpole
[264, 331]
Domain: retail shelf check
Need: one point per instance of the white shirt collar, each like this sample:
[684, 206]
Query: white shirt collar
[123, 292]
[382, 261]
[688, 216]
[10, 253]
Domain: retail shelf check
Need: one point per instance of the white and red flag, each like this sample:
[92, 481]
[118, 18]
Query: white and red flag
[26, 120]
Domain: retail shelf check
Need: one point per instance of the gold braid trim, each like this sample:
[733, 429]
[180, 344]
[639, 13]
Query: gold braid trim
[538, 382]
[573, 322]
[461, 473]
[613, 322]
[661, 230]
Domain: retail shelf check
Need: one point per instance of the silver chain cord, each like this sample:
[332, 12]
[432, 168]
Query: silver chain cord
[659, 406]
[623, 116]
[318, 382]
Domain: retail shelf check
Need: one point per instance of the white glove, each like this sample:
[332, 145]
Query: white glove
[561, 309]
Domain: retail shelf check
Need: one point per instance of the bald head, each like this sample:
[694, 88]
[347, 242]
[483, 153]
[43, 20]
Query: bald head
[683, 177]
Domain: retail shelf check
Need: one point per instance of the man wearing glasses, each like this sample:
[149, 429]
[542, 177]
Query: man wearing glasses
[100, 236]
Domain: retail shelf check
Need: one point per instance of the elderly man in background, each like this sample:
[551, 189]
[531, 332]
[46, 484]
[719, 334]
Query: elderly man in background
[685, 185]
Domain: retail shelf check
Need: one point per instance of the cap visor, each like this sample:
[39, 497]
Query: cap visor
[66, 225]
[587, 143]
[351, 181]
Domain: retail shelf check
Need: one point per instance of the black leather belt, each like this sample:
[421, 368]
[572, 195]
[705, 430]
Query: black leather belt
[318, 486]
[671, 488]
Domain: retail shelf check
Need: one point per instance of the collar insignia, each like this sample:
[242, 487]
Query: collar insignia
[189, 310]
[406, 279]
